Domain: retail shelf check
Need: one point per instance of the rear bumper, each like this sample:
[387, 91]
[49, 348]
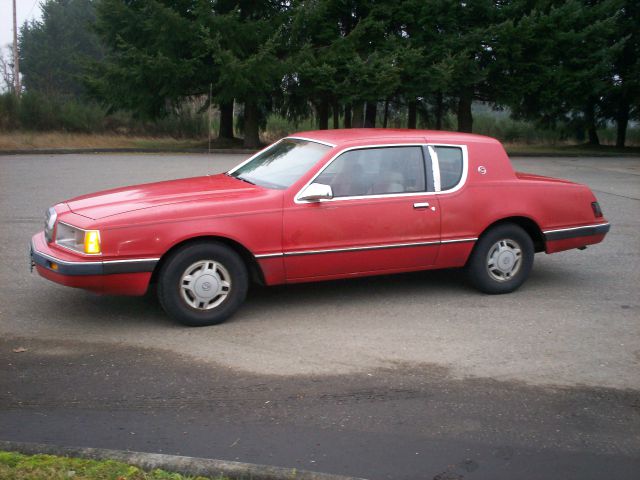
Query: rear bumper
[557, 240]
[124, 277]
[576, 232]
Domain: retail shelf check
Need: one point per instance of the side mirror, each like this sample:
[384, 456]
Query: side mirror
[316, 192]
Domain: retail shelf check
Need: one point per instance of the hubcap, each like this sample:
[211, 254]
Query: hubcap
[504, 260]
[205, 285]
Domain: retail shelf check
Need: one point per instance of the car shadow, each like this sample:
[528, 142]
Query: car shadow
[264, 302]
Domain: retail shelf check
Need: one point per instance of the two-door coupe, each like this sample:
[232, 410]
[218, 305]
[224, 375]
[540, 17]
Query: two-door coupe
[316, 206]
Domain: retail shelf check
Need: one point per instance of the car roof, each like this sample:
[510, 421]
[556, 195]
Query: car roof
[339, 137]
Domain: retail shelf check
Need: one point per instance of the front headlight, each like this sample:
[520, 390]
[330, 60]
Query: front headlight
[83, 241]
[49, 223]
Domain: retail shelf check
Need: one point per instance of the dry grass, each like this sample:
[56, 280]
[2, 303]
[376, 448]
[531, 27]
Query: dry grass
[61, 140]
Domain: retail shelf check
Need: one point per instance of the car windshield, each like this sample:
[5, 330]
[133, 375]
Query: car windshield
[282, 164]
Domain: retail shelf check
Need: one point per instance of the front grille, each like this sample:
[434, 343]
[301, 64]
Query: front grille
[49, 223]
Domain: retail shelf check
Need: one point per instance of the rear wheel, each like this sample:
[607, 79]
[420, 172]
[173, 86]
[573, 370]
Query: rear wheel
[501, 260]
[202, 284]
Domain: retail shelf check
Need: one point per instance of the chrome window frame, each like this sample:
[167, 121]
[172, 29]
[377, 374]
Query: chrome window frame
[435, 169]
[465, 166]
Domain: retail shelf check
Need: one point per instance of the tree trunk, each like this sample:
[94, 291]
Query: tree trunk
[358, 120]
[370, 115]
[465, 117]
[251, 126]
[622, 121]
[336, 115]
[347, 115]
[412, 117]
[385, 118]
[590, 121]
[323, 115]
[226, 120]
[439, 110]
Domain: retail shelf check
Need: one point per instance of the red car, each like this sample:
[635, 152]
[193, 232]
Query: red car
[317, 206]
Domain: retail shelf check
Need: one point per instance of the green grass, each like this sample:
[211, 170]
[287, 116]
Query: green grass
[15, 466]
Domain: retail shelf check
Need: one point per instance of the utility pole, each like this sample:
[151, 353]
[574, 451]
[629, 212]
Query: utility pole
[16, 59]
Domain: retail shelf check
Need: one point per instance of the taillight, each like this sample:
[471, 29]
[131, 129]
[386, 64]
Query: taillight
[597, 211]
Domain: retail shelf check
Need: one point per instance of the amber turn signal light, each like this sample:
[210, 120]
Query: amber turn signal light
[92, 241]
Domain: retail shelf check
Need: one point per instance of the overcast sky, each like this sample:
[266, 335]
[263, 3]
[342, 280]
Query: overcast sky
[25, 10]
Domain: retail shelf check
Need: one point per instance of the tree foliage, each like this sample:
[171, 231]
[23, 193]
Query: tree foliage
[54, 50]
[553, 61]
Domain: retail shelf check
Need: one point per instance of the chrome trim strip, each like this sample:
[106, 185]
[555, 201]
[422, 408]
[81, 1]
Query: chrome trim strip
[297, 200]
[576, 228]
[269, 255]
[576, 232]
[321, 142]
[69, 262]
[351, 249]
[60, 261]
[460, 240]
[133, 260]
[435, 168]
[368, 247]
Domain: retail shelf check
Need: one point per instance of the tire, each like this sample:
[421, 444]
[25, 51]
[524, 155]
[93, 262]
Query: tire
[202, 284]
[501, 260]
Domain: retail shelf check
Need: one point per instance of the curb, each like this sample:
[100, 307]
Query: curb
[192, 466]
[62, 151]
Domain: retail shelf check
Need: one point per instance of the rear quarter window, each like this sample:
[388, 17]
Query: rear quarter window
[451, 164]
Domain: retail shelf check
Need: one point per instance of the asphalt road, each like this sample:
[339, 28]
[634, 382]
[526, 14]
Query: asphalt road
[409, 376]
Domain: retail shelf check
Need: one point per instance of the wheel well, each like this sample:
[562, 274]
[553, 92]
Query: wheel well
[528, 226]
[255, 272]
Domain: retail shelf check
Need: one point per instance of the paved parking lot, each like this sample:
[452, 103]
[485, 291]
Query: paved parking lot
[574, 322]
[570, 336]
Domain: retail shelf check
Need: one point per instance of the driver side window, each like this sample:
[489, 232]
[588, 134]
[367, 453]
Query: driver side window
[376, 171]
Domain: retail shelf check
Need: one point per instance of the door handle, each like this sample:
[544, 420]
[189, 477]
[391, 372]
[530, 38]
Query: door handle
[421, 205]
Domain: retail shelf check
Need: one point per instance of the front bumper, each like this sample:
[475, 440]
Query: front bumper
[123, 277]
[43, 256]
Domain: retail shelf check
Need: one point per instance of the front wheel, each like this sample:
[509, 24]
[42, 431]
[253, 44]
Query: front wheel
[202, 284]
[501, 260]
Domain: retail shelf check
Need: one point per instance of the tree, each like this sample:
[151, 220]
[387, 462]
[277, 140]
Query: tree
[55, 49]
[622, 99]
[156, 55]
[317, 60]
[6, 70]
[555, 61]
[247, 42]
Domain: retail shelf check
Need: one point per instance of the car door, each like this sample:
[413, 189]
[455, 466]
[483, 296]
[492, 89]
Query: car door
[383, 216]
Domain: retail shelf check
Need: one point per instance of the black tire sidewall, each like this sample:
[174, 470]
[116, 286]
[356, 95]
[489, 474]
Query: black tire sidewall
[171, 273]
[477, 268]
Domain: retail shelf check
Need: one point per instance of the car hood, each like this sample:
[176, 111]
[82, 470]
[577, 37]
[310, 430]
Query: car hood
[121, 200]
